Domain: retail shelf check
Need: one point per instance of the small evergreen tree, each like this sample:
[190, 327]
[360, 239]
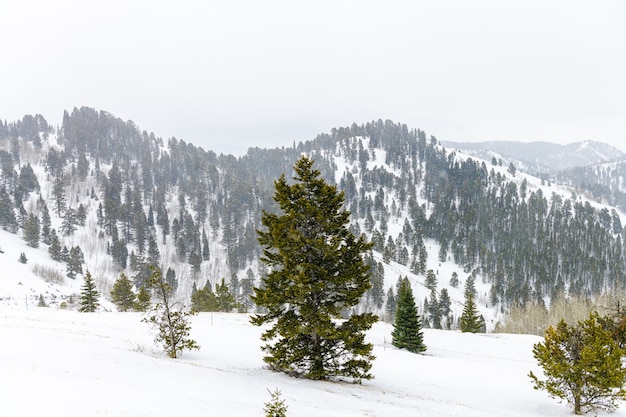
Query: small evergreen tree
[89, 295]
[75, 262]
[32, 230]
[22, 259]
[143, 299]
[55, 249]
[203, 299]
[225, 300]
[276, 407]
[470, 321]
[169, 318]
[582, 364]
[407, 327]
[122, 293]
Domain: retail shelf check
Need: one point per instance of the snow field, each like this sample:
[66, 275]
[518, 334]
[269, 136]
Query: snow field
[64, 363]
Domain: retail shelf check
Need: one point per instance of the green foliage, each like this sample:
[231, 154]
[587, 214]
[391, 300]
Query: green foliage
[276, 407]
[407, 327]
[89, 295]
[169, 318]
[22, 259]
[122, 293]
[32, 230]
[582, 364]
[224, 299]
[207, 300]
[470, 321]
[203, 299]
[143, 299]
[75, 262]
[316, 274]
[8, 221]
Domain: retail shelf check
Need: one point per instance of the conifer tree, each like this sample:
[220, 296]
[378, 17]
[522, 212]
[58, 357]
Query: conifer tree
[8, 221]
[89, 295]
[55, 249]
[143, 299]
[316, 273]
[582, 364]
[203, 299]
[407, 327]
[276, 407]
[32, 230]
[225, 300]
[169, 318]
[470, 320]
[75, 262]
[122, 293]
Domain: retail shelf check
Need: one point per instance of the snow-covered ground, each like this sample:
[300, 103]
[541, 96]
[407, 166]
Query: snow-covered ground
[64, 363]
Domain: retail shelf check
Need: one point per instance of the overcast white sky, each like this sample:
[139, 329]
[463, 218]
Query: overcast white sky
[226, 75]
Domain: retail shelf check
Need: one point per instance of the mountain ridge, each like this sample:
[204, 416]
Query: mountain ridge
[425, 207]
[541, 157]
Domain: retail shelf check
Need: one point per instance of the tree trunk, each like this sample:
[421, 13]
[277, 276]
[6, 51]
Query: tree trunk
[577, 405]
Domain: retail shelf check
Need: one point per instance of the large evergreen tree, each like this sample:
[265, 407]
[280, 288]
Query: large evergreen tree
[581, 364]
[89, 295]
[316, 273]
[407, 327]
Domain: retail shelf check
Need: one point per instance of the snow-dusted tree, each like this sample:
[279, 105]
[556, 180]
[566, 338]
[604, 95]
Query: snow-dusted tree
[582, 364]
[122, 293]
[32, 230]
[89, 295]
[169, 317]
[316, 274]
[407, 327]
[75, 262]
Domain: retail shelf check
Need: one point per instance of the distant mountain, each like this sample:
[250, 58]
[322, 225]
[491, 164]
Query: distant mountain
[542, 157]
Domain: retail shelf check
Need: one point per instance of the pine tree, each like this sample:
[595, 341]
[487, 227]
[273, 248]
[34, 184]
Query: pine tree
[89, 295]
[58, 193]
[22, 259]
[225, 300]
[143, 299]
[203, 299]
[470, 320]
[122, 293]
[8, 221]
[276, 407]
[582, 364]
[75, 262]
[32, 230]
[316, 273]
[55, 247]
[169, 318]
[46, 224]
[407, 327]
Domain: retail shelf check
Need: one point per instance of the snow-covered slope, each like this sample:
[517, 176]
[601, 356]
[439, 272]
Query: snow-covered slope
[64, 363]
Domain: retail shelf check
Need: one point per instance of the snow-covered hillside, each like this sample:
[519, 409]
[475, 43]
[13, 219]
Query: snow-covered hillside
[64, 363]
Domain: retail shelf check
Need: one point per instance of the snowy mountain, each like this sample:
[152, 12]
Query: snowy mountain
[119, 199]
[542, 157]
